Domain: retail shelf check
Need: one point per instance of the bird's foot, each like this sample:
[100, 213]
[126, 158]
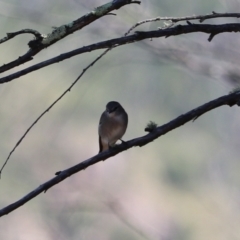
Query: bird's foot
[117, 145]
[113, 147]
[123, 142]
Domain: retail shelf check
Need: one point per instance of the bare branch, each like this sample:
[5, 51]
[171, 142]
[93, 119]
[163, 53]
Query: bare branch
[61, 32]
[48, 109]
[230, 100]
[173, 20]
[138, 36]
[24, 31]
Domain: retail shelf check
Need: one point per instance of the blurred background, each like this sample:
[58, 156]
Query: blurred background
[183, 186]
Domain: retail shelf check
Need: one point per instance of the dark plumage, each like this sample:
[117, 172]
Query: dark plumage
[112, 125]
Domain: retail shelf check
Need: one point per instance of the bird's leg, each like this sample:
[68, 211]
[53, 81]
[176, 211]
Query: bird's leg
[123, 142]
[116, 145]
[111, 147]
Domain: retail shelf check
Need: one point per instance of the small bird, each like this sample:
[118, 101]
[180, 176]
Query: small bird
[112, 126]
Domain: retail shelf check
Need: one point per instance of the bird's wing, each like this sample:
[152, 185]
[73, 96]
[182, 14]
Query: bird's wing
[100, 144]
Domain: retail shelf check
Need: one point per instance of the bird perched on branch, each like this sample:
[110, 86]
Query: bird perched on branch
[112, 126]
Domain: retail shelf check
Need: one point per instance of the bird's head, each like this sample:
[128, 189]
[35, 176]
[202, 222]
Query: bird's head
[113, 107]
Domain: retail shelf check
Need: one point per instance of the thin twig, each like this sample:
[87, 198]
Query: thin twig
[173, 20]
[48, 109]
[24, 31]
[230, 100]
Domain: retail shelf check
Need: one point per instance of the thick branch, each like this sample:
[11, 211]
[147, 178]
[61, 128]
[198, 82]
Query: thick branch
[138, 36]
[61, 32]
[230, 100]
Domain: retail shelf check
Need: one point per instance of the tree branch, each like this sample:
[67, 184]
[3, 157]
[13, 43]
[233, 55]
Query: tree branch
[24, 31]
[173, 20]
[213, 30]
[230, 100]
[61, 32]
[50, 107]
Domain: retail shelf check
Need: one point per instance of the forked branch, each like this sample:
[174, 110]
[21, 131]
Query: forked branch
[210, 29]
[169, 21]
[43, 41]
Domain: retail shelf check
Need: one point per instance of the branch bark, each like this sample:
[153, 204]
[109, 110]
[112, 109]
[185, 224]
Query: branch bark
[230, 100]
[213, 30]
[43, 41]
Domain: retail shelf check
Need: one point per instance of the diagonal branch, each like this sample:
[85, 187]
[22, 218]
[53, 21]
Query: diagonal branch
[213, 30]
[230, 100]
[61, 32]
[50, 107]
